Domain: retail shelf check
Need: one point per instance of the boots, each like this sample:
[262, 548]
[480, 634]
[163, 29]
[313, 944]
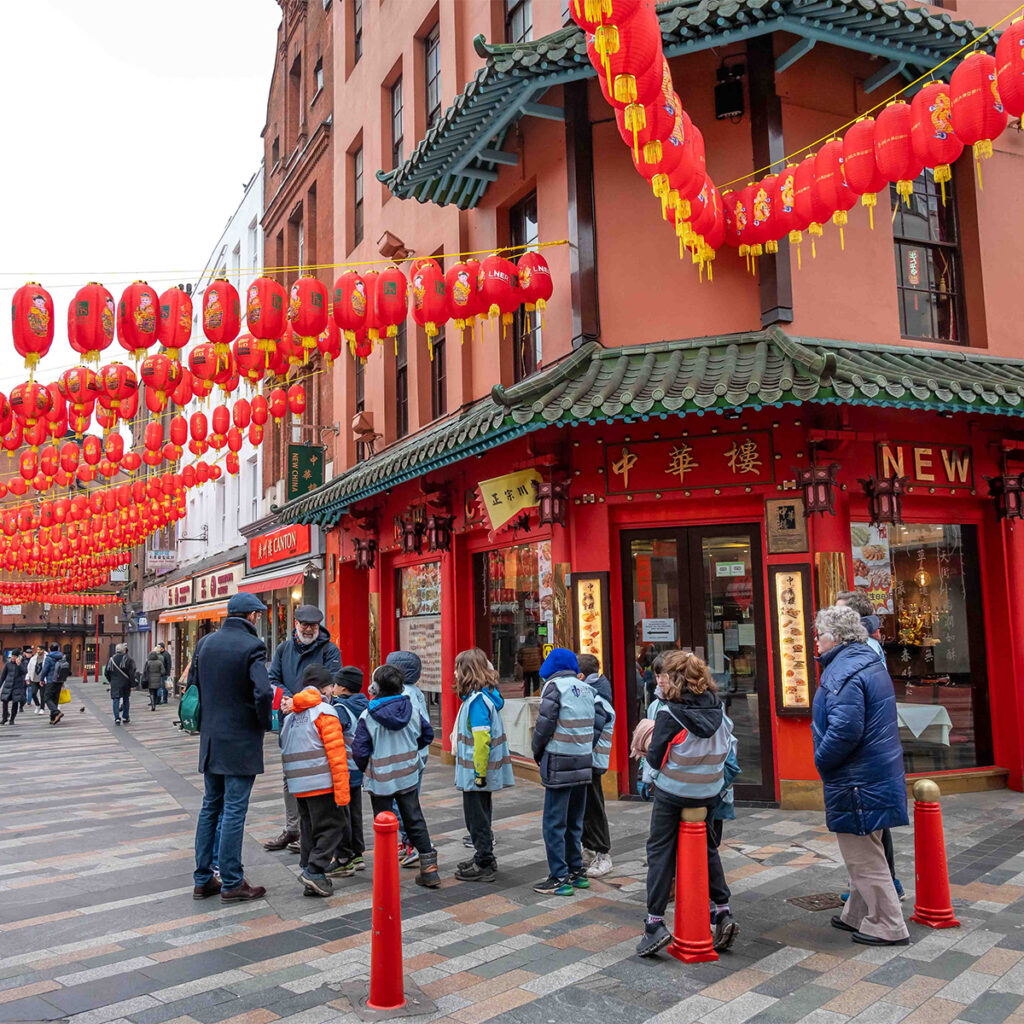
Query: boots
[428, 875]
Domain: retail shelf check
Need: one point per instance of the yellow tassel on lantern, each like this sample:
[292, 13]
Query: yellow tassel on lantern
[840, 219]
[905, 188]
[636, 119]
[685, 210]
[625, 89]
[795, 238]
[606, 41]
[815, 230]
[942, 174]
[771, 246]
[744, 251]
[982, 151]
[652, 150]
[869, 199]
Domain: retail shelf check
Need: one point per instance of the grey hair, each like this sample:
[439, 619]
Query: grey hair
[858, 600]
[841, 625]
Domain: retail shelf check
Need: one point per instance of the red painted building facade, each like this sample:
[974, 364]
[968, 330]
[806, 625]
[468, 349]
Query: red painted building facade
[681, 418]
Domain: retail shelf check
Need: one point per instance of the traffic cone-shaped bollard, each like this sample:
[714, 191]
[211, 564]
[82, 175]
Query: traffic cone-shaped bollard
[691, 934]
[932, 905]
[386, 988]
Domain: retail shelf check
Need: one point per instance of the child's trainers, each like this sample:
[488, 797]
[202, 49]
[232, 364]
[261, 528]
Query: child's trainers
[473, 872]
[579, 879]
[319, 883]
[336, 869]
[554, 887]
[358, 863]
[411, 858]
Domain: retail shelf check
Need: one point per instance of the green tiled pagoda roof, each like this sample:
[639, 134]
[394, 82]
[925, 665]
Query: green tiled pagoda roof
[450, 163]
[673, 378]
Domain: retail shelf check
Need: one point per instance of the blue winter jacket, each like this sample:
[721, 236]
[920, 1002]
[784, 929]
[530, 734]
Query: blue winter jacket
[857, 748]
[50, 665]
[351, 708]
[291, 658]
[393, 713]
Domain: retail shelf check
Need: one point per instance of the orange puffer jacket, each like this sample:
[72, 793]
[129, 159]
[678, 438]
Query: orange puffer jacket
[329, 728]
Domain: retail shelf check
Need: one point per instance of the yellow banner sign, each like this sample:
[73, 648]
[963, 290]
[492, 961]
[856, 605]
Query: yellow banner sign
[506, 496]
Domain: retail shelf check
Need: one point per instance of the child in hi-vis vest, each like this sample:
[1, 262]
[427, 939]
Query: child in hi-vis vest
[482, 761]
[316, 771]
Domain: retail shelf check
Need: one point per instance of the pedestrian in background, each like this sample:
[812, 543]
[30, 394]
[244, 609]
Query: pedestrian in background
[121, 674]
[563, 746]
[13, 687]
[689, 747]
[483, 764]
[350, 702]
[597, 840]
[859, 757]
[309, 644]
[153, 676]
[34, 675]
[52, 682]
[229, 668]
[165, 655]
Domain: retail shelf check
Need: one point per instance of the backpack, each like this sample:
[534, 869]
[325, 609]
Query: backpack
[189, 710]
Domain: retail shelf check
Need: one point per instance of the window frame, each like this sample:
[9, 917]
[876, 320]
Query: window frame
[401, 382]
[359, 401]
[432, 75]
[357, 31]
[930, 244]
[397, 106]
[318, 79]
[525, 324]
[439, 377]
[358, 196]
[515, 9]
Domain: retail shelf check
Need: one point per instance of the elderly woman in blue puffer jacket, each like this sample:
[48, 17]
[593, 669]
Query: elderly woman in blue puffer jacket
[859, 757]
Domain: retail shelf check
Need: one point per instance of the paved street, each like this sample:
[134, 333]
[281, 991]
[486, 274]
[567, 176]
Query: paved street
[98, 925]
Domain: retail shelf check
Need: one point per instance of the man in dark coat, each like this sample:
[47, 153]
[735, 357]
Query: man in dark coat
[13, 687]
[51, 684]
[859, 757]
[120, 675]
[165, 655]
[153, 677]
[309, 644]
[229, 669]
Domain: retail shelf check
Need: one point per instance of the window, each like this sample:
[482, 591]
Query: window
[526, 334]
[359, 378]
[357, 30]
[253, 246]
[438, 378]
[318, 77]
[927, 242]
[396, 122]
[357, 196]
[275, 151]
[518, 21]
[301, 242]
[254, 489]
[401, 383]
[432, 63]
[418, 594]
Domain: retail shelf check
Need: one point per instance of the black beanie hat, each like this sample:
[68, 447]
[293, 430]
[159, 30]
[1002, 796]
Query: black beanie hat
[350, 677]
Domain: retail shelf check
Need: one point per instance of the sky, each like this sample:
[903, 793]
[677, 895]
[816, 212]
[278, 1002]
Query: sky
[131, 128]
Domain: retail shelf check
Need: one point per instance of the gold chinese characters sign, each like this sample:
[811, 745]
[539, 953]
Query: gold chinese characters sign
[504, 497]
[790, 589]
[716, 460]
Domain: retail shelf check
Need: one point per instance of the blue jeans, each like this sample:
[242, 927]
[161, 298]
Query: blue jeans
[120, 707]
[225, 804]
[562, 826]
[162, 694]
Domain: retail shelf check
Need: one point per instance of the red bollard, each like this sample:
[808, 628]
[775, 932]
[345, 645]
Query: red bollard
[387, 991]
[932, 904]
[691, 935]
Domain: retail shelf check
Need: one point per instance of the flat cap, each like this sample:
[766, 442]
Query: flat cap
[309, 613]
[244, 603]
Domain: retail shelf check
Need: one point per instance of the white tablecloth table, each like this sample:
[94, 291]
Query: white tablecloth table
[926, 723]
[519, 716]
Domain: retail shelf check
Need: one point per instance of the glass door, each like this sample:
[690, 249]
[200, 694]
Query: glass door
[699, 589]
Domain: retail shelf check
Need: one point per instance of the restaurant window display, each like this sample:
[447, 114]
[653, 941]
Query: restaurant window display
[923, 581]
[514, 604]
[419, 628]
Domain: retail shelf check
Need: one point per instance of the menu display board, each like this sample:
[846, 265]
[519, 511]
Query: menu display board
[591, 610]
[419, 623]
[872, 567]
[790, 589]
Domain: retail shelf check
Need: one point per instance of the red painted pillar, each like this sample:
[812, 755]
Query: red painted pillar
[387, 991]
[1013, 549]
[449, 644]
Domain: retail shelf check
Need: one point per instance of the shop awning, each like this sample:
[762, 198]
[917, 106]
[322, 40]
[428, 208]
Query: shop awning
[270, 581]
[458, 158]
[675, 378]
[212, 610]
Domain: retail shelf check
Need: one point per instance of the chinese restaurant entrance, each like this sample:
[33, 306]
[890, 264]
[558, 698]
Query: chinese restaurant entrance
[699, 589]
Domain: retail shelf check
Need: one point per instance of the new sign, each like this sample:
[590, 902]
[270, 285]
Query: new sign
[279, 546]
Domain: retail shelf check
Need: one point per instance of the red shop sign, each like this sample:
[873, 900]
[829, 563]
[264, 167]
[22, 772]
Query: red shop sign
[279, 545]
[718, 460]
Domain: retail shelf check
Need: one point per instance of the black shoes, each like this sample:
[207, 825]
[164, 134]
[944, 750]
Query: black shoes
[655, 938]
[205, 891]
[726, 929]
[838, 922]
[244, 893]
[470, 871]
[873, 940]
[281, 841]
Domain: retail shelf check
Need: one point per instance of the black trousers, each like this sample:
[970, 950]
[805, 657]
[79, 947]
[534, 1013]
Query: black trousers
[595, 818]
[662, 846]
[321, 829]
[50, 694]
[351, 844]
[412, 816]
[476, 806]
[13, 705]
[35, 689]
[890, 853]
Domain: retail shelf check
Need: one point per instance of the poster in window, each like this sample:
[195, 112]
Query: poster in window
[545, 577]
[421, 589]
[872, 569]
[794, 658]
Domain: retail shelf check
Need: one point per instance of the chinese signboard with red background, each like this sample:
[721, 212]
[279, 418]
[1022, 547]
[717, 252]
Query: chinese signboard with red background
[279, 545]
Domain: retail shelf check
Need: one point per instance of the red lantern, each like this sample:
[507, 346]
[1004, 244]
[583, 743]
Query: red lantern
[429, 307]
[297, 400]
[931, 132]
[657, 162]
[32, 323]
[69, 456]
[392, 301]
[222, 312]
[535, 283]
[329, 343]
[278, 404]
[894, 150]
[81, 387]
[156, 401]
[809, 207]
[260, 410]
[235, 439]
[350, 304]
[831, 186]
[373, 324]
[175, 327]
[29, 402]
[1010, 68]
[92, 448]
[205, 362]
[498, 288]
[113, 447]
[307, 311]
[197, 426]
[28, 464]
[688, 177]
[177, 430]
[131, 461]
[160, 373]
[288, 350]
[860, 165]
[137, 318]
[460, 285]
[641, 124]
[154, 436]
[627, 55]
[220, 420]
[170, 452]
[241, 413]
[255, 433]
[91, 320]
[106, 418]
[265, 311]
[978, 114]
[231, 461]
[117, 381]
[250, 359]
[128, 407]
